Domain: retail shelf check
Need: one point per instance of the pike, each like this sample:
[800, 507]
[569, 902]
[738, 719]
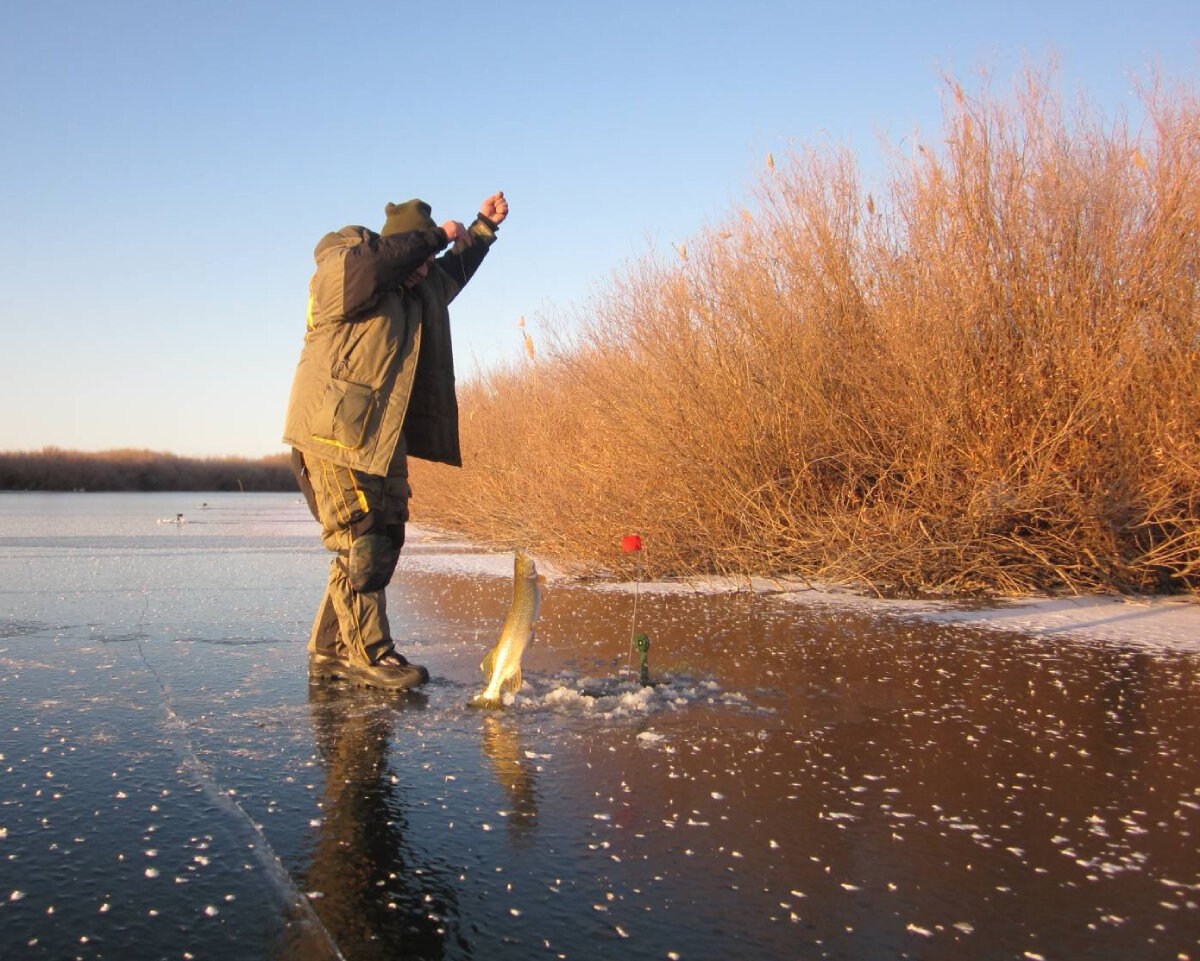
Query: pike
[502, 666]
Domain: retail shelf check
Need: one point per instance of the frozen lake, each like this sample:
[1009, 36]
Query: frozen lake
[809, 782]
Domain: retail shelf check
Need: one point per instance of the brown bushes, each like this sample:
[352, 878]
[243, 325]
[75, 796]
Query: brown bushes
[985, 379]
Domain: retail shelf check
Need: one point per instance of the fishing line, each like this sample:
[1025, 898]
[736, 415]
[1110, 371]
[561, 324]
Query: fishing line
[285, 886]
[637, 586]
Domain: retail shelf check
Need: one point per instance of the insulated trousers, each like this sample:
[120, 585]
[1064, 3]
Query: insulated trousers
[362, 519]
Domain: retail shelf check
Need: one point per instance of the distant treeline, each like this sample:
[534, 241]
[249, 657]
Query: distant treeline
[53, 469]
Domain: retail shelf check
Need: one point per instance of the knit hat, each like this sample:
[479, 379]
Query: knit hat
[410, 215]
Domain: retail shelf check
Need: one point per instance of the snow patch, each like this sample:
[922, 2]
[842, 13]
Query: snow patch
[614, 698]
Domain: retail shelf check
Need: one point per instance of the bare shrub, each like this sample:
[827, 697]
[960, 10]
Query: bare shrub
[984, 379]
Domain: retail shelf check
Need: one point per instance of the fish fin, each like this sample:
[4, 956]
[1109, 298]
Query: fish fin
[541, 579]
[488, 663]
[512, 683]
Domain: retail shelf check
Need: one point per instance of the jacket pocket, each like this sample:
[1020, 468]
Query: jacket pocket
[344, 414]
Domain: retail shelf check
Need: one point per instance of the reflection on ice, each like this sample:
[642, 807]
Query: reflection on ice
[366, 876]
[501, 745]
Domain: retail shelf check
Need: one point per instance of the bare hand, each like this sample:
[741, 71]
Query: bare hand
[495, 208]
[456, 233]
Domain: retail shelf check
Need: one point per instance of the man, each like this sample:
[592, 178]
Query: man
[375, 383]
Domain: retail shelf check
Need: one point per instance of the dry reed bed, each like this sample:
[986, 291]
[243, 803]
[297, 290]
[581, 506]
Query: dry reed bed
[985, 379]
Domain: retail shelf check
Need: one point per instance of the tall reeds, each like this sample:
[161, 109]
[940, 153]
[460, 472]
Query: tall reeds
[981, 376]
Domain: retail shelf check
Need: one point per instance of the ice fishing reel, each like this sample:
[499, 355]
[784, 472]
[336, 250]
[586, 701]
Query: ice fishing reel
[642, 643]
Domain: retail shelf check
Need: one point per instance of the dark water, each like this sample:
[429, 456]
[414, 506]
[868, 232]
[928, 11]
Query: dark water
[809, 784]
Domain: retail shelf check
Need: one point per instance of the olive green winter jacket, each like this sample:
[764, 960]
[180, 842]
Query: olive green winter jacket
[377, 356]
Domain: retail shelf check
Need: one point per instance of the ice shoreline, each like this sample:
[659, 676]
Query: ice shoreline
[1161, 623]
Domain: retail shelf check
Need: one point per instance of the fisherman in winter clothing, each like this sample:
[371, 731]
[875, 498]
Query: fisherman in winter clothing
[375, 383]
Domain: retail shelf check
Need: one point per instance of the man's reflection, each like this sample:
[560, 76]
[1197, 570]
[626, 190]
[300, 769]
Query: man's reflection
[378, 897]
[502, 746]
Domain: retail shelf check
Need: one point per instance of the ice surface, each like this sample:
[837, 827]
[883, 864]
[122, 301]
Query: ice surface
[812, 774]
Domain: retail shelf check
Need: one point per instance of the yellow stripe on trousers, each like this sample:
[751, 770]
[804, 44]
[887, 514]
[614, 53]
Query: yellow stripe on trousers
[335, 492]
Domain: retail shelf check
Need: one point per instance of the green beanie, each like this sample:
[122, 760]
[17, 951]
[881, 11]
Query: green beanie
[410, 215]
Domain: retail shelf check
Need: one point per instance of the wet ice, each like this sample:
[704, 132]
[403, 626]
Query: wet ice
[837, 783]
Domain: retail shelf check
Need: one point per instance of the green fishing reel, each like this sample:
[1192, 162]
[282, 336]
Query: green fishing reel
[642, 642]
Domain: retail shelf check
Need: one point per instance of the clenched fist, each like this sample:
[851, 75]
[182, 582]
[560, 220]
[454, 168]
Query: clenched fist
[495, 208]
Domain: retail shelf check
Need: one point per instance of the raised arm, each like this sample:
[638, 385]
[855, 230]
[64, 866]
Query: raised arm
[461, 262]
[384, 263]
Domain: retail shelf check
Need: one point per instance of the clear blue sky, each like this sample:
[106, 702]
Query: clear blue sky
[168, 166]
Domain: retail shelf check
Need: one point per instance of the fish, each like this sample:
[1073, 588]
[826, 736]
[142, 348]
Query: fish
[502, 665]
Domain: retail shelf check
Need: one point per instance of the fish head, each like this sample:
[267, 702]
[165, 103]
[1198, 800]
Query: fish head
[524, 566]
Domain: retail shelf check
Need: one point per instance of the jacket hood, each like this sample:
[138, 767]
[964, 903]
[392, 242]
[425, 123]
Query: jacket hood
[346, 237]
